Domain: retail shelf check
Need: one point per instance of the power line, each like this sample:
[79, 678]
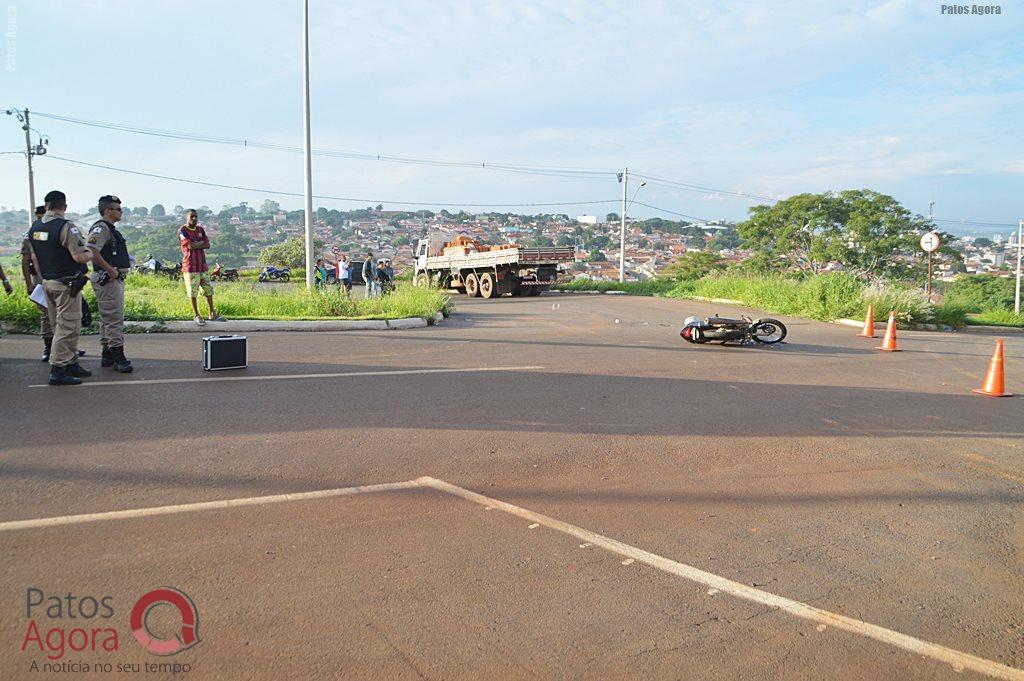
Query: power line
[551, 171]
[967, 223]
[671, 212]
[700, 188]
[321, 196]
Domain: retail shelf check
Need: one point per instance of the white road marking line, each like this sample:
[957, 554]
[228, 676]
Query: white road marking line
[282, 377]
[958, 660]
[204, 506]
[583, 546]
[533, 526]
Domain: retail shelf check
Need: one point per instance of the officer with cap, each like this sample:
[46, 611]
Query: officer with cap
[110, 264]
[60, 255]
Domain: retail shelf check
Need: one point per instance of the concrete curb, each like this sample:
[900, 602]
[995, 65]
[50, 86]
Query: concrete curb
[992, 330]
[585, 293]
[909, 327]
[254, 325]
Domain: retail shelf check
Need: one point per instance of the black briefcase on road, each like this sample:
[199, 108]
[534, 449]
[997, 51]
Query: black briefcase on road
[224, 352]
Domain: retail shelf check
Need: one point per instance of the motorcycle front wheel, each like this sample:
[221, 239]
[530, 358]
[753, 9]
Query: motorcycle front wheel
[768, 331]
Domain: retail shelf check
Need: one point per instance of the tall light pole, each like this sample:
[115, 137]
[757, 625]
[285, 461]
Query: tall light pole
[1020, 251]
[622, 227]
[30, 151]
[306, 151]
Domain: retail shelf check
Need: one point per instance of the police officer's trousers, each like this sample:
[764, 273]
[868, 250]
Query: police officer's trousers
[110, 301]
[65, 312]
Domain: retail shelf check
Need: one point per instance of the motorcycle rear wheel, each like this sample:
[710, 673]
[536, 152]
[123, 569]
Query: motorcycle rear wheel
[768, 331]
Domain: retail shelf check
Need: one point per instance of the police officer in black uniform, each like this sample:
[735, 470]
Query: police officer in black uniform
[60, 256]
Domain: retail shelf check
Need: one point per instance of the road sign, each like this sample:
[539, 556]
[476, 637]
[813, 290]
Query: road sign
[930, 242]
[335, 250]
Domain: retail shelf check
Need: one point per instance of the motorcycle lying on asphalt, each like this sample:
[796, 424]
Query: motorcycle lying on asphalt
[271, 273]
[721, 329]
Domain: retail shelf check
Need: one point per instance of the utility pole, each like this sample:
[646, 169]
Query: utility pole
[30, 151]
[307, 154]
[622, 228]
[931, 224]
[1020, 251]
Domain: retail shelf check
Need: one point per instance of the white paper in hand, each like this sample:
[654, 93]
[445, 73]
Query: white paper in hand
[38, 296]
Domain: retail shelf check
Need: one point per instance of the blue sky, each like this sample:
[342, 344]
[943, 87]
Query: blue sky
[762, 98]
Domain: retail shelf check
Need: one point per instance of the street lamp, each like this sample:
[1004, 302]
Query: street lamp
[306, 149]
[1020, 251]
[30, 151]
[624, 178]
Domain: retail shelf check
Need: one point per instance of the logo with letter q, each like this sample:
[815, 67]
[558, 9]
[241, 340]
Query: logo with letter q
[187, 637]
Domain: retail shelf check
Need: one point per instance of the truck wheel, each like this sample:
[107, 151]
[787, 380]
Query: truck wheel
[472, 286]
[488, 287]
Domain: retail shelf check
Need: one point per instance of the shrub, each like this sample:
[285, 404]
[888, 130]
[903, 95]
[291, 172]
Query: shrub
[981, 292]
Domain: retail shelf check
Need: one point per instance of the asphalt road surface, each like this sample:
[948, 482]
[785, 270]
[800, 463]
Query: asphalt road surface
[584, 496]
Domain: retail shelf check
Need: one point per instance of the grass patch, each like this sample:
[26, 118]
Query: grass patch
[996, 318]
[824, 297]
[649, 287]
[149, 298]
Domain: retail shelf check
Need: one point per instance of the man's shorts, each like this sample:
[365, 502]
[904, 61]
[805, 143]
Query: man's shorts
[197, 280]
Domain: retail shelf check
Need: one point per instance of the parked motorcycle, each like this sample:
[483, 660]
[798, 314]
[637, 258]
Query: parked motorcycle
[218, 273]
[744, 330]
[271, 273]
[157, 267]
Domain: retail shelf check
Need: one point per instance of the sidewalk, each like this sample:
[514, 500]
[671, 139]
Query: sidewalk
[253, 325]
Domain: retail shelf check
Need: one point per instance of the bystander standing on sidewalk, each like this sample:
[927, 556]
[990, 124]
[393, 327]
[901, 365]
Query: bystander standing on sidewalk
[194, 243]
[370, 276]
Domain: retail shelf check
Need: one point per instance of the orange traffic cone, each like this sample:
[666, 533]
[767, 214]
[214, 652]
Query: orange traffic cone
[993, 385]
[869, 324]
[889, 340]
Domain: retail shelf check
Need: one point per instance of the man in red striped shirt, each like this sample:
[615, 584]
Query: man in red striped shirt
[194, 243]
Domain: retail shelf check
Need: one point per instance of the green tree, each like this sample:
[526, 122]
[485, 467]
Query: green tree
[692, 266]
[291, 253]
[141, 211]
[160, 241]
[596, 256]
[158, 211]
[270, 207]
[726, 238]
[228, 247]
[612, 217]
[869, 233]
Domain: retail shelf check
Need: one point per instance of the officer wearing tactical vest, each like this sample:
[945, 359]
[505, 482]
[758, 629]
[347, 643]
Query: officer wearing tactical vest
[60, 255]
[110, 265]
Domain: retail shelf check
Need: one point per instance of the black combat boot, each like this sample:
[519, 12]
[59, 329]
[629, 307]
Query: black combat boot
[121, 363]
[47, 342]
[77, 371]
[60, 376]
[106, 357]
